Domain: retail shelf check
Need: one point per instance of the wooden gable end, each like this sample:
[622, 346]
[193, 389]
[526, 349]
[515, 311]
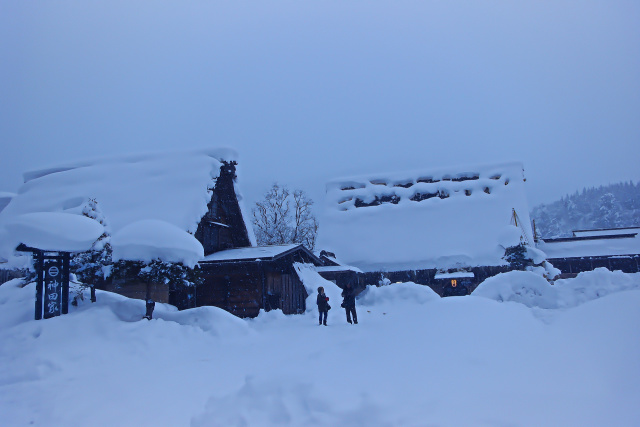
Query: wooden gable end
[223, 226]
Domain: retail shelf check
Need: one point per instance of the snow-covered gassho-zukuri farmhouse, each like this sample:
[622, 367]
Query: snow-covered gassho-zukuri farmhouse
[182, 207]
[433, 227]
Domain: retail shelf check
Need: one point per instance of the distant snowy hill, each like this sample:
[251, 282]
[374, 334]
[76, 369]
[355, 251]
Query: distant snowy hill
[611, 206]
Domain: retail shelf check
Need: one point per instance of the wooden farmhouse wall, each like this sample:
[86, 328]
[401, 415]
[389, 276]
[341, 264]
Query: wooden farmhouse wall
[243, 288]
[235, 287]
[341, 278]
[427, 278]
[572, 266]
[284, 291]
[137, 289]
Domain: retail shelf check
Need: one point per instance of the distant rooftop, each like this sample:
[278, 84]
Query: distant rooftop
[597, 242]
[605, 231]
[258, 253]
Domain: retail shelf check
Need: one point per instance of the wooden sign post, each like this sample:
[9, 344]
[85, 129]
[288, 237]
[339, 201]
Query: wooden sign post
[52, 283]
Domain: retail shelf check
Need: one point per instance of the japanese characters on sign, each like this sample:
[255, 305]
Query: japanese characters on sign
[52, 287]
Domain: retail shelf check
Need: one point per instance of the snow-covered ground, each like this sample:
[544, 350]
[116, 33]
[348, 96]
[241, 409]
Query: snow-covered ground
[413, 360]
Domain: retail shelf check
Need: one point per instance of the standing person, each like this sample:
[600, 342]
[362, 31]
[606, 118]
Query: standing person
[323, 306]
[150, 306]
[349, 303]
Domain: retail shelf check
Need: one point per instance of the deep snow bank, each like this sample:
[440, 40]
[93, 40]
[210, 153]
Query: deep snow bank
[594, 284]
[525, 287]
[17, 302]
[411, 360]
[532, 290]
[397, 292]
[418, 364]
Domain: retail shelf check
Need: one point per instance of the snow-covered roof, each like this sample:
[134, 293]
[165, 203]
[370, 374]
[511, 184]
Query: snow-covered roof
[173, 187]
[606, 232]
[438, 218]
[254, 253]
[454, 275]
[590, 246]
[335, 268]
[151, 239]
[54, 231]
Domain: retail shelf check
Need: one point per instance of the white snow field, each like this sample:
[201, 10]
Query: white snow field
[413, 360]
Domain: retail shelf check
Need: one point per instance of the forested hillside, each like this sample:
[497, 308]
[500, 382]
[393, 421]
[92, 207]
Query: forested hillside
[615, 205]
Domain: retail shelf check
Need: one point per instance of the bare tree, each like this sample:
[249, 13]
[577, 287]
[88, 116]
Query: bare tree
[285, 217]
[305, 225]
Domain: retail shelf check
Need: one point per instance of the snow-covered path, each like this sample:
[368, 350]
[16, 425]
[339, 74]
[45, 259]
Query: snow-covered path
[445, 362]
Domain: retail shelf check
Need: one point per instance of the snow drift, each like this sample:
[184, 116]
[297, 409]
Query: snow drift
[533, 290]
[397, 292]
[408, 362]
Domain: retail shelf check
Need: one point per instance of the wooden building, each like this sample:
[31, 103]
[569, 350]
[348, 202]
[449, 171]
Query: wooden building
[245, 280]
[339, 273]
[612, 248]
[195, 191]
[422, 226]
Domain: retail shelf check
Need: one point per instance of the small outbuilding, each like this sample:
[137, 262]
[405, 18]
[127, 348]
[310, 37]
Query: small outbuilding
[245, 280]
[586, 250]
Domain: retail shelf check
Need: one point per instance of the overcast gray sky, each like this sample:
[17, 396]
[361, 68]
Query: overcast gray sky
[308, 91]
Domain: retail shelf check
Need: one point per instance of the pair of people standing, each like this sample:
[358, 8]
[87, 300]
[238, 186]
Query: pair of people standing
[348, 303]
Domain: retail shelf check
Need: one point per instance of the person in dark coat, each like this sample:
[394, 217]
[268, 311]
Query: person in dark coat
[150, 306]
[323, 306]
[349, 303]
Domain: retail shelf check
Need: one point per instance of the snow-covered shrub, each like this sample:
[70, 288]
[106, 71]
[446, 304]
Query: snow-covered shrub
[532, 290]
[517, 257]
[384, 281]
[409, 291]
[546, 270]
[93, 267]
[158, 271]
[524, 287]
[590, 285]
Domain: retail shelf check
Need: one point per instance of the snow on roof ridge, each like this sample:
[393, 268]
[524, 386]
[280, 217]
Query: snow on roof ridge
[417, 173]
[442, 217]
[605, 229]
[251, 252]
[220, 154]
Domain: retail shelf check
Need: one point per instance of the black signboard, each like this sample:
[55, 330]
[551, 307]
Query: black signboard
[52, 286]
